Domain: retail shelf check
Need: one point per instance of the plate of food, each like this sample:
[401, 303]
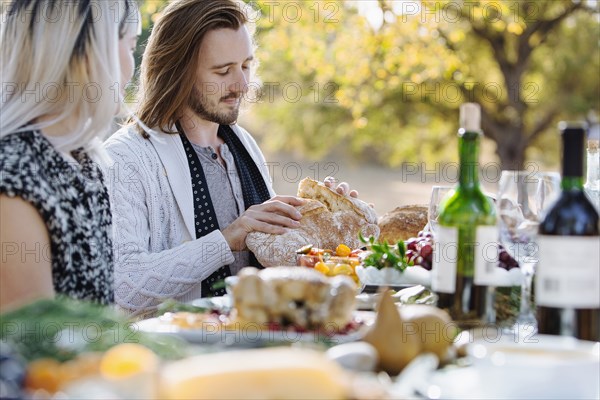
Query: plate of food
[283, 304]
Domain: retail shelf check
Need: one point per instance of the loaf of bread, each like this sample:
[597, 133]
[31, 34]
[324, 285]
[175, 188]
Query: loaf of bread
[402, 223]
[328, 219]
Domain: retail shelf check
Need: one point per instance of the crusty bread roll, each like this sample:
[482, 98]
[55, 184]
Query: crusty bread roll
[402, 223]
[328, 219]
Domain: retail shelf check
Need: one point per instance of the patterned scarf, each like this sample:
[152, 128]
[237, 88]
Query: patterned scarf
[254, 191]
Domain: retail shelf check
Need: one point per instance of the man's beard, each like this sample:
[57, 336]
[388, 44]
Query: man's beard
[199, 105]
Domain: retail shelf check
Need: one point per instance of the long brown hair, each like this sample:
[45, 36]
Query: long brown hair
[171, 57]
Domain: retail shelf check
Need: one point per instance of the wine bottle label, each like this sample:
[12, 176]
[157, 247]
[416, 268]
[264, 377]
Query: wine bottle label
[568, 273]
[486, 256]
[445, 251]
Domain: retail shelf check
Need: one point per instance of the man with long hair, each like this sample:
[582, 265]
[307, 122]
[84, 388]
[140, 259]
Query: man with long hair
[187, 183]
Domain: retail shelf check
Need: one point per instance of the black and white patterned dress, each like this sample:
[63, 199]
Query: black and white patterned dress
[73, 202]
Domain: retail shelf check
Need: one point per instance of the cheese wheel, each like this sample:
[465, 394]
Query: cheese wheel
[273, 373]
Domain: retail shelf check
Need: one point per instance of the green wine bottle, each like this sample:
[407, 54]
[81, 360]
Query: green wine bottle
[568, 274]
[463, 263]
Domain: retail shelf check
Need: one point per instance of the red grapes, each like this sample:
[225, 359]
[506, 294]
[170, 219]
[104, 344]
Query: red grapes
[419, 251]
[505, 260]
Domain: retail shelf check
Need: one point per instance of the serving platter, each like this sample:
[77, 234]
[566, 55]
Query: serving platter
[372, 276]
[212, 331]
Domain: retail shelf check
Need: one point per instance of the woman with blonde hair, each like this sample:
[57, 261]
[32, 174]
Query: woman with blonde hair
[64, 65]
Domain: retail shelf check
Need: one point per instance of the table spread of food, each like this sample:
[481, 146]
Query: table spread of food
[348, 306]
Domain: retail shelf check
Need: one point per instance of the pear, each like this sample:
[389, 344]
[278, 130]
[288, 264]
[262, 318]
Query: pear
[396, 342]
[436, 330]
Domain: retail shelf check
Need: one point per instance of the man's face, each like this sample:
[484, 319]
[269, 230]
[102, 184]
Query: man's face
[223, 75]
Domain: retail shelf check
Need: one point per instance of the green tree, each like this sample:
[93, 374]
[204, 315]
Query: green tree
[332, 80]
[397, 87]
[543, 57]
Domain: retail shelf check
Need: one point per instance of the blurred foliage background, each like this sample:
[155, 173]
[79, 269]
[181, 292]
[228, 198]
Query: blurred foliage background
[382, 80]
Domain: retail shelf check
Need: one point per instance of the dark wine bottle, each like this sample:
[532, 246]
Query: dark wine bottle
[568, 275]
[467, 224]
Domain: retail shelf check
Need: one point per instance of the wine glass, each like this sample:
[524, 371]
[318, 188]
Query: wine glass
[523, 197]
[438, 193]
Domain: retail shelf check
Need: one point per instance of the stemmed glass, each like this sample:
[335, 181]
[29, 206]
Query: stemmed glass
[523, 197]
[438, 193]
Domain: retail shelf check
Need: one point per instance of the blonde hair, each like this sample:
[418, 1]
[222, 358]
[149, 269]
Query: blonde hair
[60, 58]
[171, 57]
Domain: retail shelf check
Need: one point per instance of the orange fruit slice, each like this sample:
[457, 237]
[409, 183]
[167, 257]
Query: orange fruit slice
[126, 360]
[43, 373]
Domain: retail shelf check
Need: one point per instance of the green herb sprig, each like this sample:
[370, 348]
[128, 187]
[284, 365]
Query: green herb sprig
[383, 255]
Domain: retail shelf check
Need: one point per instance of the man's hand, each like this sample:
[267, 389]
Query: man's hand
[273, 216]
[343, 188]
